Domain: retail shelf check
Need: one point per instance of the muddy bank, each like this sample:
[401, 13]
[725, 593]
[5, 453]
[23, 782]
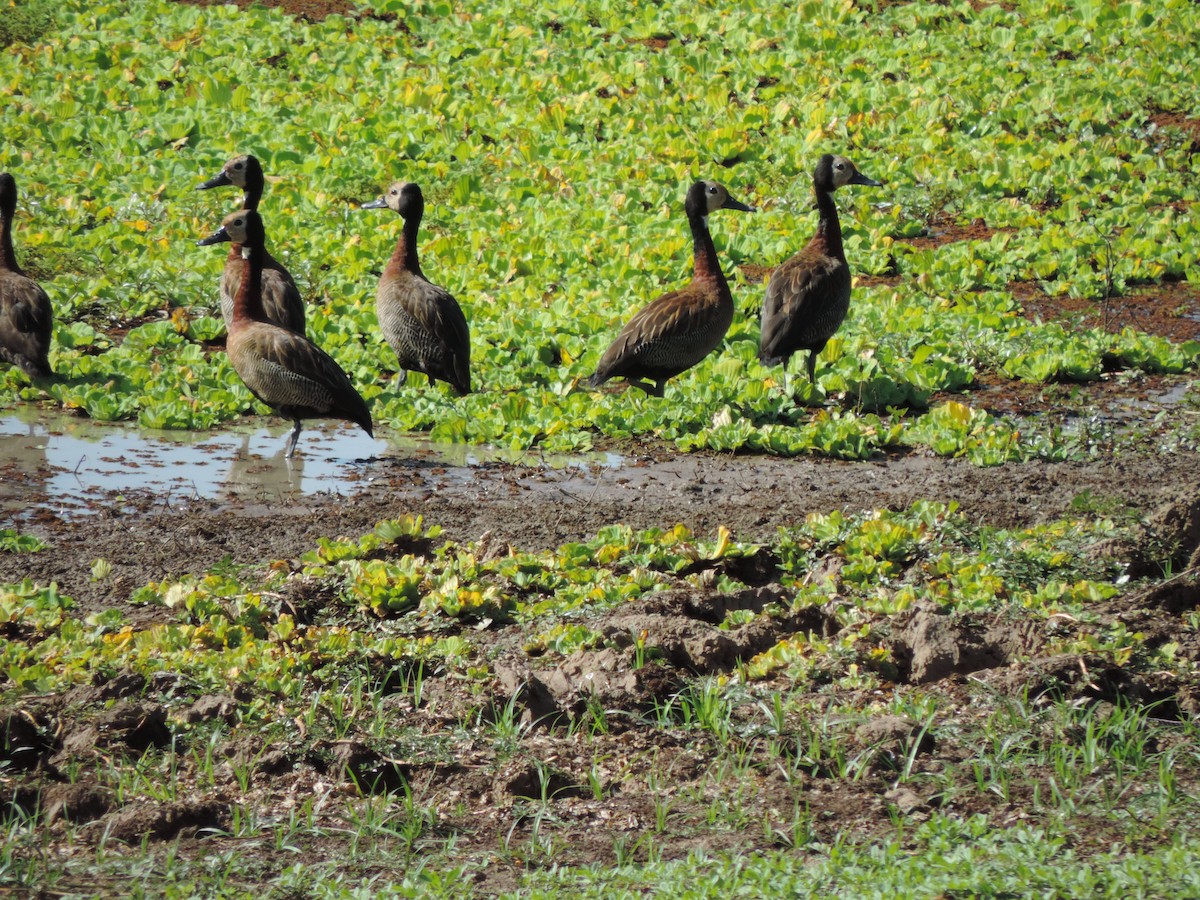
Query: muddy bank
[148, 536]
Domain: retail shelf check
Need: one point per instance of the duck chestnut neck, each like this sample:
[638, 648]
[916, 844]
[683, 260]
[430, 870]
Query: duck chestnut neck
[248, 304]
[705, 263]
[8, 206]
[405, 255]
[829, 228]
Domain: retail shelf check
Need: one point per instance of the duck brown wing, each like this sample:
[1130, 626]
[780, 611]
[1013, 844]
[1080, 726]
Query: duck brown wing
[282, 303]
[794, 302]
[26, 320]
[436, 310]
[670, 331]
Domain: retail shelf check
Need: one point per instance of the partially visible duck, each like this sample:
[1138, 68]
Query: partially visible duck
[283, 369]
[421, 321]
[282, 302]
[809, 294]
[26, 317]
[680, 328]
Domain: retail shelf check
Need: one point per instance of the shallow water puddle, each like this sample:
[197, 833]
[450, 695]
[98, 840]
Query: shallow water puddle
[70, 465]
[76, 462]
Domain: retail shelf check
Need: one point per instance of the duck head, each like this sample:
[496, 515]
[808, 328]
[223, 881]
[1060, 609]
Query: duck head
[403, 197]
[706, 196]
[833, 172]
[243, 227]
[240, 171]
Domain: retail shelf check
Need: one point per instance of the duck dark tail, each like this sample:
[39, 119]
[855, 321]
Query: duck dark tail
[362, 418]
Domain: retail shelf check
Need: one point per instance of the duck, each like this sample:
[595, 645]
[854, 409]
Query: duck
[809, 294]
[282, 302]
[283, 369]
[26, 316]
[678, 329]
[421, 321]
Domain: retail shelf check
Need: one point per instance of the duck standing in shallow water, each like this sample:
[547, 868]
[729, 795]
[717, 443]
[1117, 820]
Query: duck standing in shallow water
[809, 294]
[282, 302]
[26, 318]
[680, 328]
[422, 322]
[283, 369]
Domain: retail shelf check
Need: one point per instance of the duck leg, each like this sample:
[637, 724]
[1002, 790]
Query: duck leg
[812, 367]
[654, 390]
[292, 441]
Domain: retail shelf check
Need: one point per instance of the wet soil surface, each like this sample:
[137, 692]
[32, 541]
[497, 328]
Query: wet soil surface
[151, 537]
[555, 792]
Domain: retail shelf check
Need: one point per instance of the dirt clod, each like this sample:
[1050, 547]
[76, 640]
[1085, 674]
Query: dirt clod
[163, 821]
[77, 803]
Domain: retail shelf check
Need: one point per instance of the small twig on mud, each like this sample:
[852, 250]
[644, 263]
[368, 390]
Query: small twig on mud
[568, 494]
[1087, 677]
[586, 503]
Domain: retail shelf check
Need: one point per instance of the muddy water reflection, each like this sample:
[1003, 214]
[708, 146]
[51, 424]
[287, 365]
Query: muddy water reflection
[64, 465]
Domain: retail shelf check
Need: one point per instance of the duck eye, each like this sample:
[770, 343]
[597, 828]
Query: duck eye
[239, 165]
[712, 189]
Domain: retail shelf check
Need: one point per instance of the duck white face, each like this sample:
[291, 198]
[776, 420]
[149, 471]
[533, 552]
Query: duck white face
[394, 197]
[843, 171]
[242, 227]
[236, 226]
[235, 170]
[717, 197]
[403, 197]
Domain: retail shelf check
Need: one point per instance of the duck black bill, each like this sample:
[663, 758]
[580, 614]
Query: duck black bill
[730, 203]
[375, 204]
[860, 178]
[218, 180]
[217, 237]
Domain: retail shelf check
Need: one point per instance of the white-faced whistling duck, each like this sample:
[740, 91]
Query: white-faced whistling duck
[283, 369]
[808, 295]
[25, 314]
[282, 302]
[680, 328]
[422, 322]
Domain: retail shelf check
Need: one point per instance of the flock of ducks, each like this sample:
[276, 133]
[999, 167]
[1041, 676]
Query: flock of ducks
[806, 301]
